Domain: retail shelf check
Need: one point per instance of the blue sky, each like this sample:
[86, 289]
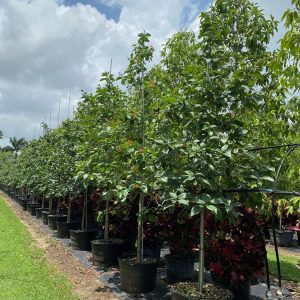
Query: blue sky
[110, 11]
[113, 10]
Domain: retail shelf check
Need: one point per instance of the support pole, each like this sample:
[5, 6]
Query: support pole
[69, 208]
[142, 196]
[106, 231]
[291, 148]
[275, 241]
[140, 229]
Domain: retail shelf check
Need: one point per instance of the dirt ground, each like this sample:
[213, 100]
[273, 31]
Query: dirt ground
[85, 281]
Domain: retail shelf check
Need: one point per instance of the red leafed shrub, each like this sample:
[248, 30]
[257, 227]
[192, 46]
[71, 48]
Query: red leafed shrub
[234, 252]
[153, 232]
[182, 233]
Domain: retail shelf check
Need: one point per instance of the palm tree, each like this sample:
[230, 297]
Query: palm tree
[16, 145]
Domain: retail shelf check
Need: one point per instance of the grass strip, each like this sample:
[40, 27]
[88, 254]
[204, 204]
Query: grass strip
[288, 268]
[24, 271]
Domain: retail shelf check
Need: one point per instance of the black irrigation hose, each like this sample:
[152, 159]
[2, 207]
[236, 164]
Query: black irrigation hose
[268, 191]
[273, 147]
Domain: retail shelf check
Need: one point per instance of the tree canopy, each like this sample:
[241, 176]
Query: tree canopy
[178, 131]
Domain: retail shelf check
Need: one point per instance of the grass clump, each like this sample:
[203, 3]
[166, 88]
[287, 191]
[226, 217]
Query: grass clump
[289, 271]
[24, 271]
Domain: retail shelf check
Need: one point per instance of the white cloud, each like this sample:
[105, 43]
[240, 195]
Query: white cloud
[46, 48]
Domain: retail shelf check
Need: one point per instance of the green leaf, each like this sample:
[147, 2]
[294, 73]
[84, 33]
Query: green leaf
[144, 189]
[173, 195]
[183, 201]
[196, 210]
[182, 196]
[267, 178]
[213, 209]
[198, 201]
[164, 179]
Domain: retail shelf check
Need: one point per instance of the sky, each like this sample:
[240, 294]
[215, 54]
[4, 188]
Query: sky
[51, 50]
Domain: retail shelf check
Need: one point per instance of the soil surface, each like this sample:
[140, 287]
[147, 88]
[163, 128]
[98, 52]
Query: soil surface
[85, 281]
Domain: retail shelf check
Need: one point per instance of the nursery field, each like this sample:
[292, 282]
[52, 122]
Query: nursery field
[197, 151]
[24, 272]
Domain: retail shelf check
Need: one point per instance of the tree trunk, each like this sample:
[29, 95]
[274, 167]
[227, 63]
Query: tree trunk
[106, 231]
[140, 229]
[201, 252]
[69, 208]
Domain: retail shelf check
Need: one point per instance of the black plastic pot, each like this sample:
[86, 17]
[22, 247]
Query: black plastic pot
[24, 204]
[19, 200]
[179, 268]
[177, 296]
[129, 246]
[28, 206]
[52, 219]
[45, 214]
[241, 291]
[81, 239]
[138, 277]
[152, 249]
[33, 208]
[63, 228]
[284, 238]
[219, 280]
[38, 212]
[179, 293]
[106, 253]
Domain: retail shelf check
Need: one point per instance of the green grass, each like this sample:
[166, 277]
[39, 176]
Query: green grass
[288, 267]
[24, 271]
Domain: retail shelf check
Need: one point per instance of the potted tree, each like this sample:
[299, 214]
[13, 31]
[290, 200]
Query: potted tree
[57, 217]
[181, 232]
[81, 238]
[106, 251]
[202, 153]
[284, 237]
[138, 273]
[64, 227]
[66, 136]
[39, 210]
[102, 131]
[153, 235]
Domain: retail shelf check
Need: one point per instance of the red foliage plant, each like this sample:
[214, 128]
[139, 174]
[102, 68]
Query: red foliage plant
[234, 252]
[181, 232]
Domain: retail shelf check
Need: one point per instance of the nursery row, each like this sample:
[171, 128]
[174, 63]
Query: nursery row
[165, 143]
[234, 254]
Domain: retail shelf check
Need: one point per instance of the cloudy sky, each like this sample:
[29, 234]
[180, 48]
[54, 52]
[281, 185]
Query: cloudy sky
[49, 48]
